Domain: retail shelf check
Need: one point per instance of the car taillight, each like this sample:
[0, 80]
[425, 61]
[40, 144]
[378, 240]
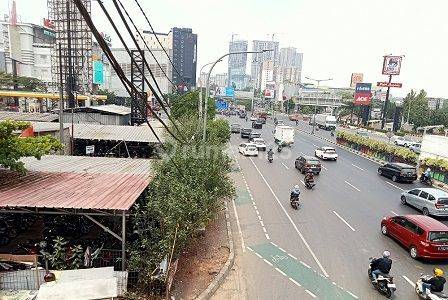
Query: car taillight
[439, 205]
[424, 244]
[307, 165]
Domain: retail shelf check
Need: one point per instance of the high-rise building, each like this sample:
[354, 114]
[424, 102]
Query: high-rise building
[267, 73]
[290, 66]
[181, 46]
[259, 58]
[237, 64]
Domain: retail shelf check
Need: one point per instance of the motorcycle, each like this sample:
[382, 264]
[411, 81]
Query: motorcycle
[430, 295]
[279, 149]
[384, 284]
[332, 133]
[310, 184]
[425, 180]
[270, 159]
[294, 201]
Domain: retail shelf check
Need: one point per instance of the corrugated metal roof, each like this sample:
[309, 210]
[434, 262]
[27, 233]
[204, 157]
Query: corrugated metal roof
[76, 182]
[109, 108]
[19, 116]
[47, 126]
[117, 133]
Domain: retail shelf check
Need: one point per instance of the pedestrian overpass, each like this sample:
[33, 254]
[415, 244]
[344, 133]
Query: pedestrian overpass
[324, 100]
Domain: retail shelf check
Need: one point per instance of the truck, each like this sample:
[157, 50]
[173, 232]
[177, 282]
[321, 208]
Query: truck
[326, 122]
[284, 135]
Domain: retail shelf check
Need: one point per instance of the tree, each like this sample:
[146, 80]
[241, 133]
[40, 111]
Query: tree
[187, 105]
[416, 107]
[13, 147]
[111, 96]
[23, 83]
[289, 106]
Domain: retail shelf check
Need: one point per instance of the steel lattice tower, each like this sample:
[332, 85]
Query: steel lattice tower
[138, 79]
[81, 44]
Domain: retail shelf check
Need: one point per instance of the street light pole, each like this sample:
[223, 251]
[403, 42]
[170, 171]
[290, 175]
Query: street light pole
[315, 105]
[200, 92]
[207, 86]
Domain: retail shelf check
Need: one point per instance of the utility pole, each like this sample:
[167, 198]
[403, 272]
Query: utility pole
[61, 100]
[69, 80]
[386, 102]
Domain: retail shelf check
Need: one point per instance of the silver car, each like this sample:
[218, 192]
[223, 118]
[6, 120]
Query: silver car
[430, 201]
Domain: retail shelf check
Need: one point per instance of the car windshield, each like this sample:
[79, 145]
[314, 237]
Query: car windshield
[331, 122]
[251, 148]
[438, 236]
[330, 151]
[443, 201]
[313, 162]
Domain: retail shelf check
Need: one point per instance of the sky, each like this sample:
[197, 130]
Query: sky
[337, 37]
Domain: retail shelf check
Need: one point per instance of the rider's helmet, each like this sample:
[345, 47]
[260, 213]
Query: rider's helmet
[438, 272]
[386, 254]
[296, 187]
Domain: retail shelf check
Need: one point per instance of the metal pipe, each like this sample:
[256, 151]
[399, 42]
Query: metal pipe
[61, 100]
[123, 242]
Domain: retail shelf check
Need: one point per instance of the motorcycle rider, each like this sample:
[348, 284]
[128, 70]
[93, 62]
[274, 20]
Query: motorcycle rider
[295, 193]
[270, 154]
[309, 176]
[433, 284]
[427, 174]
[381, 265]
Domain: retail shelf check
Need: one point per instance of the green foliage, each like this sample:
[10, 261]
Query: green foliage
[378, 146]
[309, 110]
[289, 105]
[77, 257]
[111, 96]
[416, 105]
[58, 259]
[439, 163]
[183, 197]
[187, 105]
[13, 147]
[23, 83]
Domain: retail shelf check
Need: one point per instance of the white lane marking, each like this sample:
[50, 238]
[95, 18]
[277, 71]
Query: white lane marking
[295, 282]
[292, 256]
[281, 272]
[250, 248]
[302, 181]
[353, 295]
[323, 167]
[315, 145]
[259, 218]
[394, 212]
[264, 229]
[352, 185]
[358, 167]
[255, 207]
[291, 221]
[395, 186]
[342, 219]
[261, 223]
[257, 211]
[274, 244]
[259, 256]
[268, 262]
[311, 294]
[267, 236]
[238, 226]
[409, 281]
[305, 264]
[286, 167]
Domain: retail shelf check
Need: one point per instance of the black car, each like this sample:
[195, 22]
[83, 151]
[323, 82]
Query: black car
[398, 172]
[245, 133]
[307, 163]
[257, 124]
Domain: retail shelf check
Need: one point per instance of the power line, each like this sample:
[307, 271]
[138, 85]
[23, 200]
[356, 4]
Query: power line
[127, 84]
[133, 61]
[157, 38]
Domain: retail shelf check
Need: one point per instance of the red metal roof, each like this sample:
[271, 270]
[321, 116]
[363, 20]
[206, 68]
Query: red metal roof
[113, 189]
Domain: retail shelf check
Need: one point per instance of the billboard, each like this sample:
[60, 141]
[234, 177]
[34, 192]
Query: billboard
[356, 78]
[363, 94]
[392, 65]
[269, 92]
[98, 72]
[230, 91]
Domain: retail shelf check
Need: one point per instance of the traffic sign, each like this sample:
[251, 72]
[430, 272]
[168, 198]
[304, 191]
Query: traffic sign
[387, 84]
[90, 149]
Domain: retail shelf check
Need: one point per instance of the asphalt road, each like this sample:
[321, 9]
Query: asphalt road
[321, 250]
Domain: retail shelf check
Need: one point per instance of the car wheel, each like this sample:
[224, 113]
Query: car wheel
[384, 230]
[380, 172]
[394, 178]
[403, 200]
[413, 252]
[302, 170]
[425, 211]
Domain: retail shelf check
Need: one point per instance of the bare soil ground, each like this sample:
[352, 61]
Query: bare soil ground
[202, 260]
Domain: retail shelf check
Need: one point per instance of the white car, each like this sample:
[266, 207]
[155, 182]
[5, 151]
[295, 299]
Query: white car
[401, 141]
[248, 149]
[280, 123]
[253, 118]
[326, 153]
[259, 143]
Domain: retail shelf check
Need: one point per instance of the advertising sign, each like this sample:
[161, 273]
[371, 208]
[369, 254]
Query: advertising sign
[356, 78]
[222, 105]
[230, 91]
[391, 84]
[48, 23]
[392, 65]
[98, 72]
[363, 94]
[90, 149]
[269, 92]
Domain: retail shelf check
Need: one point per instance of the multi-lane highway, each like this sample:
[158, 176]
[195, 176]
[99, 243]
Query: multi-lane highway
[321, 250]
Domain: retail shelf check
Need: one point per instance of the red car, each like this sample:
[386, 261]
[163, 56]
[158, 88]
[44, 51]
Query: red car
[423, 236]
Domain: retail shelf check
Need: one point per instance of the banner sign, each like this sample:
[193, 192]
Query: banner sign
[387, 84]
[363, 94]
[392, 65]
[356, 78]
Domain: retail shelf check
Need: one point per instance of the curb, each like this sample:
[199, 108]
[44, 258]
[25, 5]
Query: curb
[214, 285]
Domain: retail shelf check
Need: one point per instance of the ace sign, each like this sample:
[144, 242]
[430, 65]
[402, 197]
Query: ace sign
[363, 94]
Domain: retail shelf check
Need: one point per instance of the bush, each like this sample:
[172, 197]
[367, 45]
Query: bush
[439, 163]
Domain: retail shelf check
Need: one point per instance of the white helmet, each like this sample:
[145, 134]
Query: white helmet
[296, 187]
[386, 253]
